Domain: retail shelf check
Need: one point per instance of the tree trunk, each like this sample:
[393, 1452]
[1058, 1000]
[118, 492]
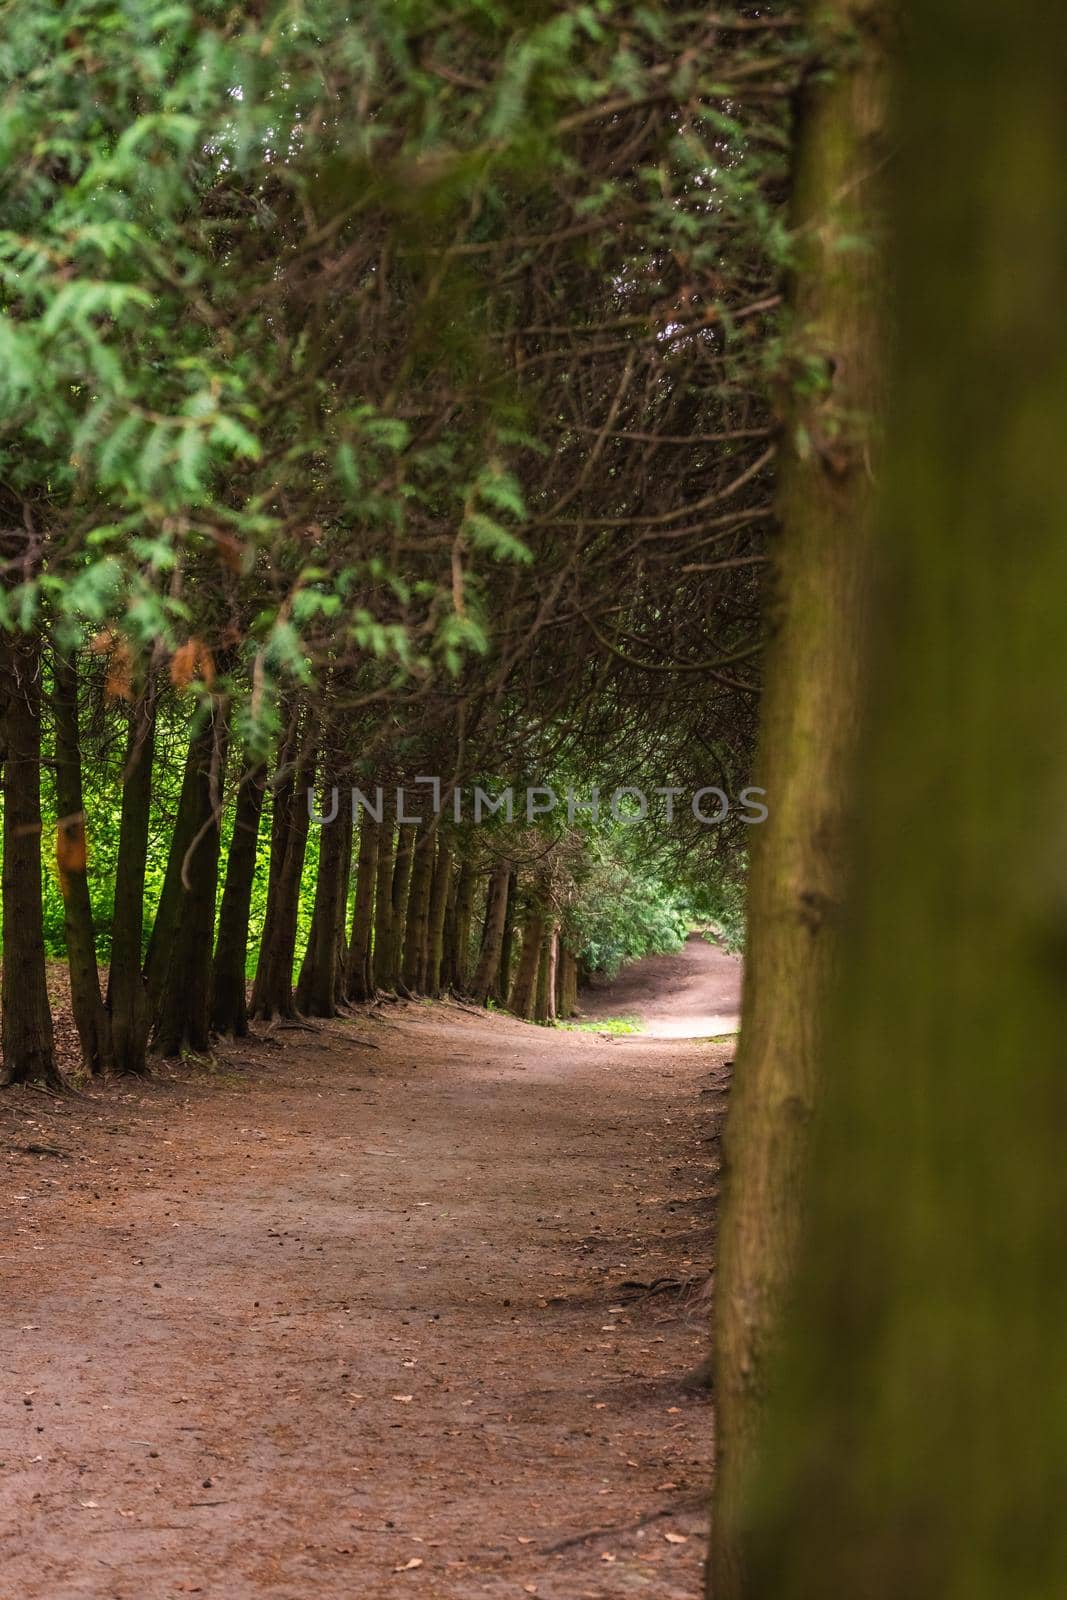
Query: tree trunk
[502, 978]
[187, 822]
[29, 1052]
[459, 941]
[87, 1005]
[272, 991]
[183, 1017]
[413, 970]
[524, 989]
[405, 856]
[567, 1003]
[340, 966]
[127, 995]
[487, 970]
[920, 1444]
[545, 1007]
[360, 986]
[807, 743]
[383, 906]
[435, 932]
[316, 989]
[229, 1003]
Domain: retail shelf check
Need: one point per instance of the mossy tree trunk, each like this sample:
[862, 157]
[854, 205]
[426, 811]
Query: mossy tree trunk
[809, 721]
[919, 1445]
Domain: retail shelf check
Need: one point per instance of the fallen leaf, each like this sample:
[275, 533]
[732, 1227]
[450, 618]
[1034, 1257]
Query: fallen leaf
[416, 1561]
[676, 1538]
[405, 1399]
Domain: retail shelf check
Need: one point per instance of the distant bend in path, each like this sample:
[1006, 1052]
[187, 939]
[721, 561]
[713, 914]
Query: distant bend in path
[693, 994]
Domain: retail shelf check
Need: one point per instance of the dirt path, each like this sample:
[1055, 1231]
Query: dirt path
[347, 1321]
[695, 994]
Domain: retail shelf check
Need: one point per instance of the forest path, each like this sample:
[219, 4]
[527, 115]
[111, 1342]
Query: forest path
[347, 1321]
[693, 994]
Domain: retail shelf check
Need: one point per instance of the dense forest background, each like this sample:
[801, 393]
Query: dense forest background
[384, 397]
[585, 396]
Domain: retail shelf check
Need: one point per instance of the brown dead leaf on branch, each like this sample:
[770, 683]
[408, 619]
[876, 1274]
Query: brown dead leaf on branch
[118, 684]
[192, 660]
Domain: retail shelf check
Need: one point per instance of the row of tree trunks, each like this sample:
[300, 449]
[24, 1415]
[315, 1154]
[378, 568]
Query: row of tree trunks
[411, 922]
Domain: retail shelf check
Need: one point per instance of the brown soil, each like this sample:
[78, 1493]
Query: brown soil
[695, 994]
[334, 1320]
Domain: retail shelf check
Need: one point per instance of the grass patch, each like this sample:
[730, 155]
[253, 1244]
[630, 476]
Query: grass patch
[604, 1025]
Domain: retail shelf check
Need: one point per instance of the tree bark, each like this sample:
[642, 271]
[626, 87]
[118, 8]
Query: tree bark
[567, 1003]
[87, 1004]
[360, 983]
[340, 967]
[188, 820]
[435, 931]
[487, 971]
[502, 978]
[383, 905]
[402, 868]
[414, 964]
[807, 739]
[919, 1446]
[229, 986]
[316, 991]
[459, 942]
[272, 991]
[127, 995]
[524, 988]
[545, 1007]
[29, 1051]
[183, 1017]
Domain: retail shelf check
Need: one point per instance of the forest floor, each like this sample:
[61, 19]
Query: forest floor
[402, 1304]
